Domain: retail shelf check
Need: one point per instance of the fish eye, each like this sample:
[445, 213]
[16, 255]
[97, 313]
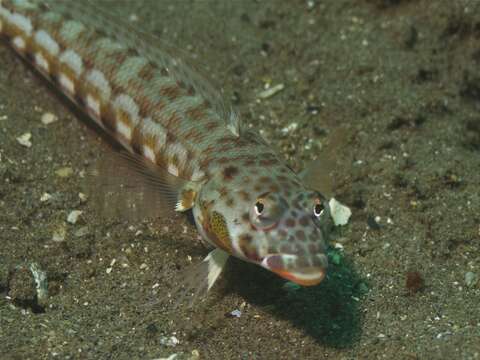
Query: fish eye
[259, 206]
[318, 209]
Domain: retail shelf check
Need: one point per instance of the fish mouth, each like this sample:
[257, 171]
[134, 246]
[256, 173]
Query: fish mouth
[284, 266]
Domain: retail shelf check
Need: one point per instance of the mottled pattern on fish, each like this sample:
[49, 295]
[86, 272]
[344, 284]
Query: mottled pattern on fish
[245, 200]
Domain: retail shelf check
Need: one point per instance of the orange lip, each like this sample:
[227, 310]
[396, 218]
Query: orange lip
[298, 279]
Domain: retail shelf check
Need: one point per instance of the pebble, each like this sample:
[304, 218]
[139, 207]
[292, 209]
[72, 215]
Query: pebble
[171, 357]
[41, 282]
[64, 172]
[81, 232]
[292, 127]
[24, 140]
[59, 234]
[236, 313]
[48, 118]
[271, 91]
[45, 197]
[171, 341]
[470, 279]
[74, 215]
[83, 198]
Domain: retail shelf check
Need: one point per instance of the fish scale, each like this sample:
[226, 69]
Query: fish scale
[246, 201]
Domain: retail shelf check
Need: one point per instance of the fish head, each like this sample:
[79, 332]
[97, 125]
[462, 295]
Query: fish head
[294, 229]
[276, 223]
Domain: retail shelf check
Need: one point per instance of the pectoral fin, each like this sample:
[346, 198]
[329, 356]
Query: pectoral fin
[125, 185]
[199, 279]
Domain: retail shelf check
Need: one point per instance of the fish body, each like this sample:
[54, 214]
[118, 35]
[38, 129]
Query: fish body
[246, 201]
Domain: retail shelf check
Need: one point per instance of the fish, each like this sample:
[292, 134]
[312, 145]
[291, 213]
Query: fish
[187, 145]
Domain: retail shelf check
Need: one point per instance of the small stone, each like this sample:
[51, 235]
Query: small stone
[24, 140]
[74, 215]
[59, 234]
[287, 129]
[83, 198]
[48, 118]
[171, 341]
[271, 91]
[236, 313]
[45, 197]
[81, 232]
[470, 279]
[64, 172]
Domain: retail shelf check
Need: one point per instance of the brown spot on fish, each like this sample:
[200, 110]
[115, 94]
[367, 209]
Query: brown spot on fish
[171, 138]
[258, 187]
[191, 91]
[250, 162]
[119, 57]
[211, 125]
[246, 244]
[108, 118]
[171, 92]
[304, 220]
[194, 135]
[147, 72]
[187, 199]
[223, 191]
[181, 84]
[290, 222]
[209, 150]
[244, 195]
[230, 202]
[197, 112]
[312, 248]
[300, 235]
[223, 160]
[274, 188]
[246, 217]
[268, 162]
[137, 140]
[265, 180]
[229, 172]
[173, 121]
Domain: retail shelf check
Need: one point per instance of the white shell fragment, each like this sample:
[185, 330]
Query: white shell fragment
[171, 341]
[59, 234]
[41, 282]
[271, 91]
[236, 313]
[471, 279]
[45, 197]
[72, 218]
[339, 212]
[24, 140]
[48, 118]
[64, 172]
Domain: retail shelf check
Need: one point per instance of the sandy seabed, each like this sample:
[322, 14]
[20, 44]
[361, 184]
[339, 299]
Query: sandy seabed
[402, 77]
